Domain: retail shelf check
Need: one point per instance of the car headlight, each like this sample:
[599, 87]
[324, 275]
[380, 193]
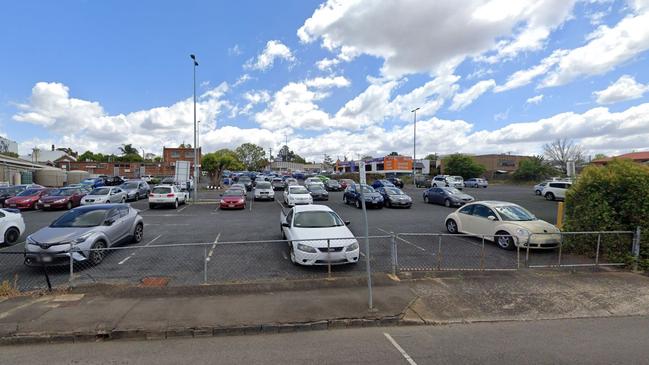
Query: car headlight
[242, 200]
[522, 232]
[82, 238]
[40, 201]
[60, 201]
[306, 248]
[30, 240]
[222, 201]
[352, 247]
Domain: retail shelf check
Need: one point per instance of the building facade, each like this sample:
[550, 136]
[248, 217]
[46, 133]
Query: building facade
[639, 157]
[386, 165]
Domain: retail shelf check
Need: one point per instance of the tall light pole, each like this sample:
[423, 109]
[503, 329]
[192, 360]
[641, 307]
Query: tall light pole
[195, 133]
[414, 143]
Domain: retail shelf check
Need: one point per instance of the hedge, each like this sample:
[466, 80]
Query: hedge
[614, 197]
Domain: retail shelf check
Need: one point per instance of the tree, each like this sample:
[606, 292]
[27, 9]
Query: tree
[431, 157]
[185, 145]
[128, 149]
[157, 159]
[286, 155]
[462, 165]
[69, 151]
[561, 151]
[394, 154]
[327, 162]
[534, 169]
[86, 156]
[599, 156]
[10, 154]
[252, 156]
[215, 163]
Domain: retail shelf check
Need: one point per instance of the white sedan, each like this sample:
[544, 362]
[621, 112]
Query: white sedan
[507, 224]
[105, 195]
[316, 235]
[166, 195]
[296, 194]
[12, 226]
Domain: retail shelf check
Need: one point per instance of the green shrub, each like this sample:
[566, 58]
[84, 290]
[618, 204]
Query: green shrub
[534, 169]
[462, 165]
[614, 197]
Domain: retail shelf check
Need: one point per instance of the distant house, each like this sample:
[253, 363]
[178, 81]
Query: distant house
[639, 157]
[48, 157]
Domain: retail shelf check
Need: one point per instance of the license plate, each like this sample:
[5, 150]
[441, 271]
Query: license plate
[264, 193]
[12, 205]
[46, 259]
[231, 205]
[46, 205]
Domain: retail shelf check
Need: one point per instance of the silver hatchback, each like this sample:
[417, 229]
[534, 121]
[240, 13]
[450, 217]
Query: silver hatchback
[85, 232]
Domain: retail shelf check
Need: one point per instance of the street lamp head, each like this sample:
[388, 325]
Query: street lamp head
[192, 56]
[414, 110]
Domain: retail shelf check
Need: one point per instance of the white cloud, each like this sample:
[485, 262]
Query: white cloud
[235, 50]
[464, 99]
[625, 88]
[327, 64]
[242, 80]
[524, 77]
[274, 50]
[422, 36]
[327, 82]
[535, 99]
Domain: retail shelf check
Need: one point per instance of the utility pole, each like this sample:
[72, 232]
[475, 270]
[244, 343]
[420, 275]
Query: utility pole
[414, 143]
[195, 133]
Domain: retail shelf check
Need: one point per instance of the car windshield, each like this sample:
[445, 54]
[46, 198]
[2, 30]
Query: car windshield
[244, 179]
[80, 218]
[368, 189]
[298, 190]
[233, 193]
[393, 191]
[61, 192]
[100, 191]
[29, 192]
[316, 187]
[130, 186]
[453, 191]
[263, 185]
[455, 178]
[514, 213]
[317, 219]
[88, 181]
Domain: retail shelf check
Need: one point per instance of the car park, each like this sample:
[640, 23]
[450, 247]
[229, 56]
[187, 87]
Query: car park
[309, 229]
[318, 192]
[382, 183]
[93, 182]
[88, 230]
[263, 191]
[297, 194]
[135, 189]
[333, 185]
[447, 181]
[12, 226]
[64, 198]
[446, 196]
[105, 195]
[246, 181]
[538, 188]
[233, 199]
[556, 190]
[277, 183]
[395, 181]
[476, 182]
[507, 224]
[27, 199]
[394, 197]
[168, 195]
[353, 195]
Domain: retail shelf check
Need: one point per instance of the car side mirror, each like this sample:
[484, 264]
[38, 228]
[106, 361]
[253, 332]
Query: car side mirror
[491, 218]
[348, 223]
[109, 222]
[286, 225]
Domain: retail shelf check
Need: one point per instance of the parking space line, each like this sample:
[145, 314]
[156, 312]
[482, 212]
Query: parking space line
[134, 252]
[183, 208]
[403, 240]
[216, 240]
[401, 350]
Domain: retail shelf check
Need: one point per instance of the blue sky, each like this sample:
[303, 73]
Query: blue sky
[92, 75]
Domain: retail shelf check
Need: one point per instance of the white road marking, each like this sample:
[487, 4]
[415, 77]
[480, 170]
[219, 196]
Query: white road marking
[134, 252]
[216, 240]
[401, 350]
[401, 239]
[183, 208]
[362, 254]
[24, 305]
[166, 224]
[284, 255]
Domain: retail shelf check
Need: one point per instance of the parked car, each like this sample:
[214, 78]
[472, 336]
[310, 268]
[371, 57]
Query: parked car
[344, 183]
[264, 191]
[423, 181]
[114, 181]
[313, 180]
[333, 185]
[352, 195]
[290, 181]
[237, 186]
[246, 181]
[259, 178]
[318, 192]
[146, 178]
[27, 199]
[169, 180]
[322, 178]
[538, 188]
[233, 199]
[394, 197]
[277, 183]
[298, 175]
[94, 182]
[507, 224]
[64, 198]
[8, 192]
[448, 181]
[307, 228]
[556, 190]
[105, 195]
[167, 195]
[447, 196]
[12, 226]
[476, 182]
[395, 181]
[84, 188]
[297, 194]
[382, 183]
[90, 229]
[135, 189]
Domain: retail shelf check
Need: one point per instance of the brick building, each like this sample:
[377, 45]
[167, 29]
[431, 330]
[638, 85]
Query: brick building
[495, 164]
[639, 157]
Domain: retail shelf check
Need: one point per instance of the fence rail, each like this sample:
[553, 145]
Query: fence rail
[198, 263]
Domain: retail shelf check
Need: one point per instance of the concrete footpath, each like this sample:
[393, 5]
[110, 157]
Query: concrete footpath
[110, 313]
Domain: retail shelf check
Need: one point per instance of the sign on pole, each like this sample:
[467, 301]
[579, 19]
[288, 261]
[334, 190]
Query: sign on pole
[361, 170]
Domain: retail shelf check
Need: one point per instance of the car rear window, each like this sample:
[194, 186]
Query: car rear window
[161, 190]
[263, 185]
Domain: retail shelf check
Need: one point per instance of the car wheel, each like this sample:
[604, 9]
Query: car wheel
[358, 204]
[123, 200]
[451, 226]
[426, 200]
[388, 204]
[345, 200]
[291, 254]
[434, 185]
[68, 206]
[549, 196]
[138, 233]
[137, 197]
[11, 236]
[176, 204]
[505, 241]
[537, 192]
[97, 254]
[447, 203]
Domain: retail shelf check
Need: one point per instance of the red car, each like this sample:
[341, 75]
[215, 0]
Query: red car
[27, 199]
[64, 198]
[344, 183]
[233, 199]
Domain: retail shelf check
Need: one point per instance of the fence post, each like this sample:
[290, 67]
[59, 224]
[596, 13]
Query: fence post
[518, 255]
[599, 241]
[204, 264]
[560, 250]
[482, 255]
[394, 253]
[328, 259]
[636, 248]
[527, 251]
[71, 267]
[439, 251]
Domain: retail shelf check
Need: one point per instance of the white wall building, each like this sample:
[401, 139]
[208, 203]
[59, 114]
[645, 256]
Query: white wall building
[7, 145]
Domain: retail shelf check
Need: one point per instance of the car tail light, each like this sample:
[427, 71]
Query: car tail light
[170, 195]
[151, 195]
